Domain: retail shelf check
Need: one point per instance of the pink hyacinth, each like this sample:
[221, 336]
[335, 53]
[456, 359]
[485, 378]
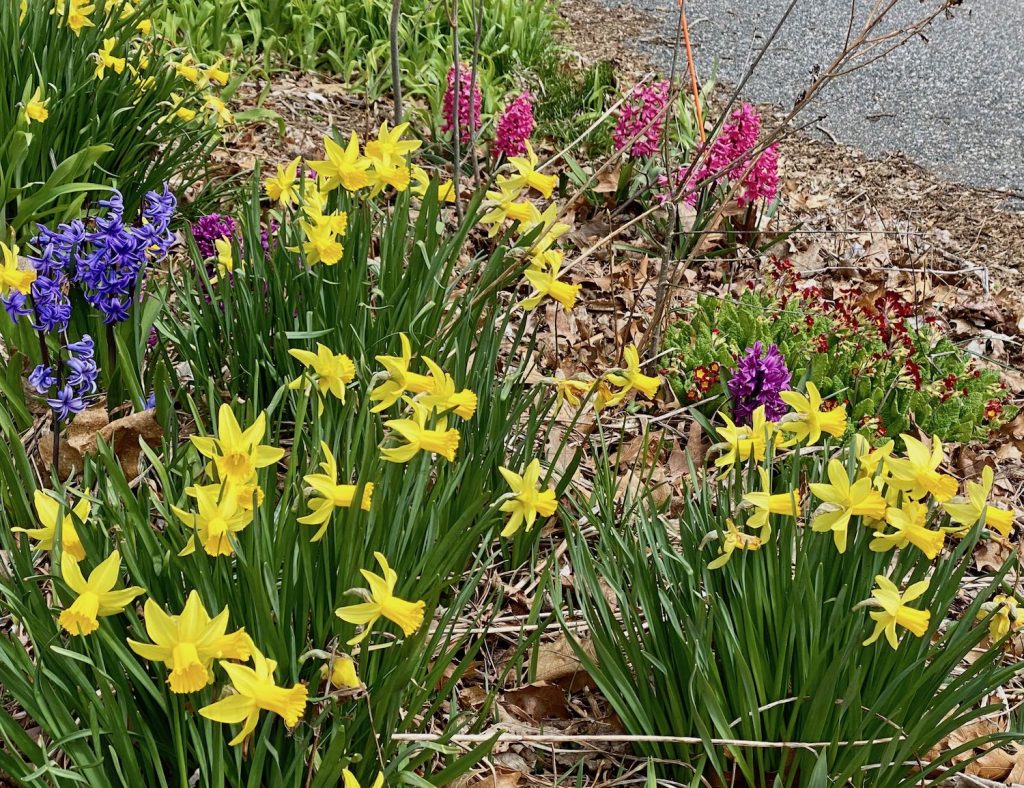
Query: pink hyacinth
[514, 127]
[469, 104]
[642, 118]
[728, 157]
[762, 182]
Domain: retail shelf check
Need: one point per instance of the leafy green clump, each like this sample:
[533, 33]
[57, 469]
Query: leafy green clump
[867, 348]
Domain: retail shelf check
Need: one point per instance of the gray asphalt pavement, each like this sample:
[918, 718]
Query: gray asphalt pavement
[953, 101]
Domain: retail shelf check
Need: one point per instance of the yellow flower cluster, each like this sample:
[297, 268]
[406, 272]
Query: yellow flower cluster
[116, 57]
[384, 162]
[890, 494]
[226, 507]
[510, 203]
[627, 380]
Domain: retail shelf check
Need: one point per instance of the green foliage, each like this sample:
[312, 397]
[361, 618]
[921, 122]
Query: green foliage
[100, 132]
[106, 716]
[570, 100]
[769, 647]
[853, 350]
[352, 38]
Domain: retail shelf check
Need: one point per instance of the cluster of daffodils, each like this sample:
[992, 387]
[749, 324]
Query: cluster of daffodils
[430, 401]
[610, 389]
[383, 163]
[898, 497]
[189, 642]
[226, 506]
[131, 54]
[201, 102]
[511, 203]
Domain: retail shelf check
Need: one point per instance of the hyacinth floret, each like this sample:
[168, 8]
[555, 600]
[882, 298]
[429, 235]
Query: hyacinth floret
[211, 228]
[758, 379]
[514, 127]
[470, 100]
[640, 120]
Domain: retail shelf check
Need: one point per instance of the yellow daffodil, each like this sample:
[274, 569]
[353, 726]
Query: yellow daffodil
[419, 437]
[48, 511]
[256, 691]
[349, 780]
[1004, 615]
[442, 396]
[12, 277]
[389, 145]
[909, 522]
[218, 516]
[842, 501]
[96, 596]
[966, 511]
[381, 602]
[387, 159]
[35, 109]
[188, 71]
[552, 228]
[632, 378]
[220, 110]
[322, 232]
[527, 174]
[331, 494]
[765, 504]
[76, 14]
[180, 111]
[225, 255]
[400, 378]
[734, 540]
[22, 11]
[145, 26]
[218, 75]
[808, 420]
[236, 453]
[868, 457]
[547, 283]
[189, 643]
[105, 59]
[421, 183]
[917, 475]
[341, 673]
[282, 188]
[505, 204]
[529, 500]
[247, 496]
[741, 442]
[895, 612]
[343, 167]
[331, 372]
[570, 390]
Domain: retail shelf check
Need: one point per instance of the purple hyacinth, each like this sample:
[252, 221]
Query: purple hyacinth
[210, 228]
[757, 381]
[71, 395]
[105, 262]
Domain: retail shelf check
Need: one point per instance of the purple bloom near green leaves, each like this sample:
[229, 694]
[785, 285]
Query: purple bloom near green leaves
[105, 258]
[211, 228]
[106, 261]
[80, 376]
[757, 380]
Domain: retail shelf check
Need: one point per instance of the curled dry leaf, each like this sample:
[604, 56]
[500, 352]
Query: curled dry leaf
[538, 702]
[122, 435]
